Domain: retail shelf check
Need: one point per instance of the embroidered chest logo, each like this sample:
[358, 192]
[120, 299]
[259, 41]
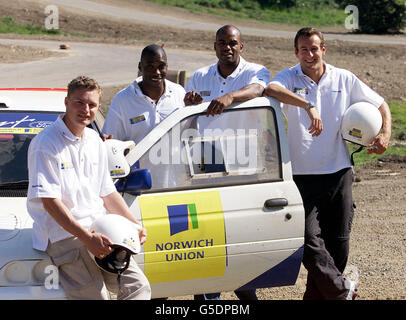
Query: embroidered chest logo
[300, 91]
[137, 119]
[205, 93]
[66, 165]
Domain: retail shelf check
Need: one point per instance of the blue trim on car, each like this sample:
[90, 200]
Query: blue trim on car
[283, 274]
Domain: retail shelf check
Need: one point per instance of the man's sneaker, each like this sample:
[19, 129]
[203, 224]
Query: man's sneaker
[353, 292]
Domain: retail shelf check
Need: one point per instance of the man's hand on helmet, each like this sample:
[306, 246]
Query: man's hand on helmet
[99, 245]
[379, 144]
[104, 136]
[143, 236]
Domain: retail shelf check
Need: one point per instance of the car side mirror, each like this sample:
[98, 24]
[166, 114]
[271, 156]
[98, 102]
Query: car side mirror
[136, 181]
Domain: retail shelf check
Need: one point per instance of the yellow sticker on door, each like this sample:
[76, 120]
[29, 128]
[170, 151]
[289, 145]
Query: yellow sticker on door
[186, 236]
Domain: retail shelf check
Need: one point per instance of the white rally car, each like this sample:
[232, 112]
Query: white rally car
[215, 194]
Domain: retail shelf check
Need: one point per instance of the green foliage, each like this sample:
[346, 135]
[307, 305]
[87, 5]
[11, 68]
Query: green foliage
[228, 4]
[363, 157]
[297, 3]
[375, 16]
[379, 16]
[398, 111]
[8, 25]
[316, 13]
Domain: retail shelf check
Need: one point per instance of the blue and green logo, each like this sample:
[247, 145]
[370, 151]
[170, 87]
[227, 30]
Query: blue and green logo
[182, 217]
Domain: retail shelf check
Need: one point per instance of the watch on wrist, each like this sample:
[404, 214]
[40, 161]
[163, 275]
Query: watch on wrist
[308, 106]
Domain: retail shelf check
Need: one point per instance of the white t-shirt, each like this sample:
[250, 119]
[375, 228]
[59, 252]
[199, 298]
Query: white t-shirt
[337, 90]
[132, 115]
[72, 169]
[209, 83]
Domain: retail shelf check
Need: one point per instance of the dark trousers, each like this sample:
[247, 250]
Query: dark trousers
[329, 211]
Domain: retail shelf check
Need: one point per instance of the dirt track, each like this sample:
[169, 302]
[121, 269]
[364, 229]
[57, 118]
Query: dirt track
[378, 234]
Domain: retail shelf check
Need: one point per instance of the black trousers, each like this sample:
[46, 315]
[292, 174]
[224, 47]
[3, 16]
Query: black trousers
[329, 211]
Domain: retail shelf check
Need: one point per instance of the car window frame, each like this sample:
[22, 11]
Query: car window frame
[181, 114]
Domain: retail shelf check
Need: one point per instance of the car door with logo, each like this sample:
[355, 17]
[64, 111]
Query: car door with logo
[221, 210]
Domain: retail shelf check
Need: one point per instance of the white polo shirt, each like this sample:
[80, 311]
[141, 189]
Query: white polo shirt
[132, 115]
[336, 91]
[72, 169]
[208, 82]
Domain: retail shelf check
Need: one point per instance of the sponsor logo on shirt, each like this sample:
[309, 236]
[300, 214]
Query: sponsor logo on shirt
[205, 93]
[137, 119]
[300, 91]
[66, 165]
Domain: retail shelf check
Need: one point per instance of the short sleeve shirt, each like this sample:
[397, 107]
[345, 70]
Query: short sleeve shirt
[209, 83]
[336, 91]
[132, 114]
[72, 169]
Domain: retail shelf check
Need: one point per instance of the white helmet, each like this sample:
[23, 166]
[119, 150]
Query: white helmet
[361, 123]
[124, 235]
[116, 152]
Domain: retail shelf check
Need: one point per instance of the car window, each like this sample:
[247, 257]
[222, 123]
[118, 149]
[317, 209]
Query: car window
[238, 147]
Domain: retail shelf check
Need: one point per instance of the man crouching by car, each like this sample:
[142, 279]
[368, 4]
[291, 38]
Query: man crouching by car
[69, 187]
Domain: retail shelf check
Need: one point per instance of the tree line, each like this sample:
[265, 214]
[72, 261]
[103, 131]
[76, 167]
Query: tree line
[374, 16]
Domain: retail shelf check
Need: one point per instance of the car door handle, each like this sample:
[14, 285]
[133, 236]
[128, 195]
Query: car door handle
[276, 202]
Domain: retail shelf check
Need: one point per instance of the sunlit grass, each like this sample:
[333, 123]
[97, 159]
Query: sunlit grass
[8, 25]
[318, 17]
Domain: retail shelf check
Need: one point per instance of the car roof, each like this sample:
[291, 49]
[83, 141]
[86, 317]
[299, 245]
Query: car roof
[32, 99]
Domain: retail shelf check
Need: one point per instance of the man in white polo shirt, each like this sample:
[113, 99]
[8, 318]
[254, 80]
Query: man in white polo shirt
[229, 80]
[321, 167]
[137, 109]
[69, 188]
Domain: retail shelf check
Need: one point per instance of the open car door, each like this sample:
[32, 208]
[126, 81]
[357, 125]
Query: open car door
[217, 198]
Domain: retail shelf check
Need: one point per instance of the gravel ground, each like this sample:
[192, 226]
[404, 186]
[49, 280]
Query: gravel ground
[18, 54]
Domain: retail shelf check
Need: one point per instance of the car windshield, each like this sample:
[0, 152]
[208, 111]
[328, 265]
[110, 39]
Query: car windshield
[17, 129]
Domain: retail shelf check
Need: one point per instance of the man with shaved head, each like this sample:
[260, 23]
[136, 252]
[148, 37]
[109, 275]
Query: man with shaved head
[229, 80]
[137, 109]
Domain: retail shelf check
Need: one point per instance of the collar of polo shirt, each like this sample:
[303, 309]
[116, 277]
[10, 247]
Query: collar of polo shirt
[64, 130]
[299, 71]
[235, 73]
[139, 92]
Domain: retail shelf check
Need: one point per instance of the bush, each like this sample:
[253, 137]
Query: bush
[379, 16]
